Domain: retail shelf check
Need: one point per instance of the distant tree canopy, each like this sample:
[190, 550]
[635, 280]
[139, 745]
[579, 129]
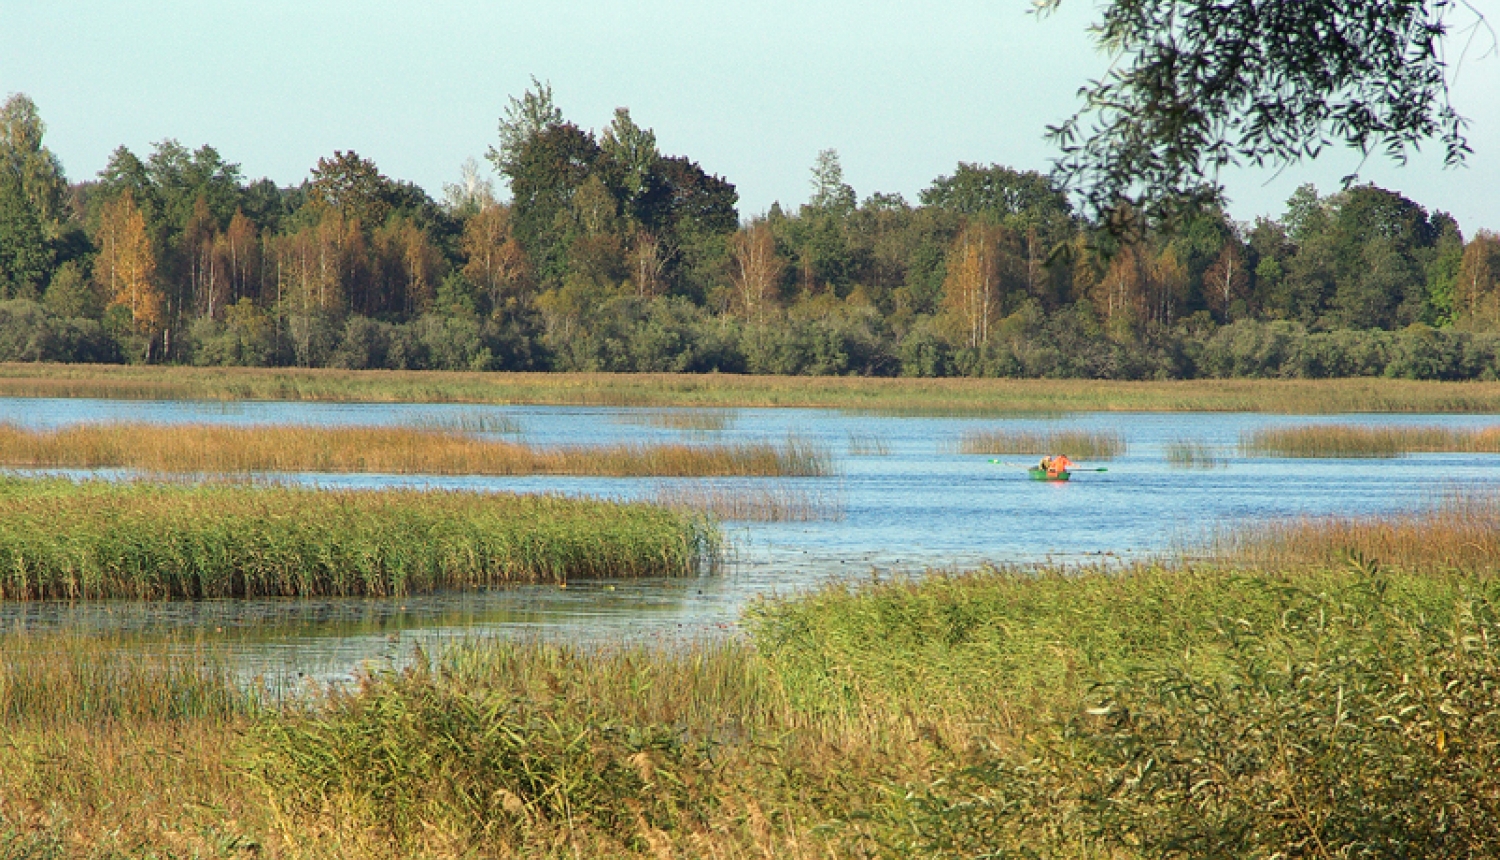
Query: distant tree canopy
[611, 256]
[1200, 84]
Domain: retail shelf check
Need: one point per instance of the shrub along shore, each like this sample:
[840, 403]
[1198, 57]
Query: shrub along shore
[64, 540]
[900, 395]
[218, 449]
[1338, 704]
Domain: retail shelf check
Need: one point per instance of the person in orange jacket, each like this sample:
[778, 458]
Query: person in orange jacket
[1055, 465]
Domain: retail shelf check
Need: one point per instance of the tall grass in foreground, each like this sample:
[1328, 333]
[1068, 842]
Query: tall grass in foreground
[751, 503]
[49, 678]
[1083, 444]
[943, 717]
[208, 448]
[1172, 712]
[1342, 440]
[1160, 711]
[93, 540]
[1192, 454]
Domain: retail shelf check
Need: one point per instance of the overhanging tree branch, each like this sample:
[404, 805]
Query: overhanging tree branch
[1198, 85]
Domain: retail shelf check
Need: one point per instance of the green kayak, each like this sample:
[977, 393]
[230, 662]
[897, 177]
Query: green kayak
[1041, 475]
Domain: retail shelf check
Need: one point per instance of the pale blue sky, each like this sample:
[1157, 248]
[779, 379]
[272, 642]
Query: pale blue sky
[903, 90]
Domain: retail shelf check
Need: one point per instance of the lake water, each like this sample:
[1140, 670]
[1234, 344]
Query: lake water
[918, 504]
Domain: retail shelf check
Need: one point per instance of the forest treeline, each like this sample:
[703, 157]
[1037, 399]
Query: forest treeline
[612, 256]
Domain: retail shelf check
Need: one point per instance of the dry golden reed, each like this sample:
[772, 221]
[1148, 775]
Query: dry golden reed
[208, 448]
[1074, 443]
[1345, 440]
[1461, 532]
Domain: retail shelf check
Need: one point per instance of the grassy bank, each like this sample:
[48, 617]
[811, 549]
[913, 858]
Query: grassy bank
[64, 540]
[209, 448]
[1340, 709]
[938, 396]
[1337, 440]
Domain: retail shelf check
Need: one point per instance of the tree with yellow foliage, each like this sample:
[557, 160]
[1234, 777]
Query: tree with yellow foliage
[497, 265]
[126, 267]
[757, 269]
[971, 291]
[1477, 299]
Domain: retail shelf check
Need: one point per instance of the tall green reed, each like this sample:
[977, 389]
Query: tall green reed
[158, 541]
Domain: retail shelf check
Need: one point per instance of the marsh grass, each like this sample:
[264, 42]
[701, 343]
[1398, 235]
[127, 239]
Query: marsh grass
[1459, 532]
[752, 502]
[1192, 454]
[694, 420]
[918, 718]
[1083, 444]
[1343, 440]
[154, 541]
[868, 445]
[53, 677]
[720, 391]
[1153, 711]
[210, 448]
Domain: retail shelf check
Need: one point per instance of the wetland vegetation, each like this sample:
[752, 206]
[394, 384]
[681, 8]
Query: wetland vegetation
[221, 449]
[1192, 454]
[1343, 440]
[1243, 707]
[729, 391]
[752, 503]
[66, 540]
[1084, 444]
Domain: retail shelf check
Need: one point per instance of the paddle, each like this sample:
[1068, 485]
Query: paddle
[1027, 466]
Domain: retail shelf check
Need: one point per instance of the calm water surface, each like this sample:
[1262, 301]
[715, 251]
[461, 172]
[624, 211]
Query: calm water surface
[922, 505]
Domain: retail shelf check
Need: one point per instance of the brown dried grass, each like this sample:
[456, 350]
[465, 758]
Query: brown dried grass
[1344, 440]
[207, 448]
[1460, 532]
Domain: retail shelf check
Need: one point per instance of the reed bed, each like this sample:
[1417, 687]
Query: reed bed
[868, 445]
[1343, 440]
[1459, 532]
[694, 420]
[932, 717]
[1083, 444]
[1192, 454]
[155, 541]
[1161, 710]
[881, 396]
[211, 449]
[752, 503]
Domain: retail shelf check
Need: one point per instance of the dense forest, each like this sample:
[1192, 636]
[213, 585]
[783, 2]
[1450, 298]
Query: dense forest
[613, 256]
